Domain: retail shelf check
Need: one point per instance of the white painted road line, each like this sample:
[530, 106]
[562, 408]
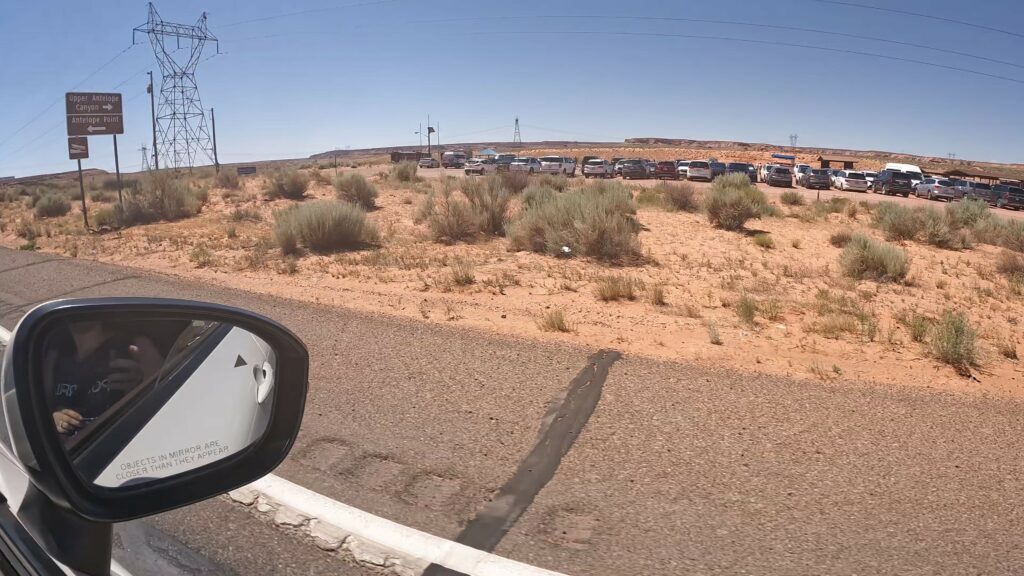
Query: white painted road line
[371, 539]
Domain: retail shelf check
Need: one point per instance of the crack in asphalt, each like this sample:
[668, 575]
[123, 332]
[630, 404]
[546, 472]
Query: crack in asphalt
[559, 429]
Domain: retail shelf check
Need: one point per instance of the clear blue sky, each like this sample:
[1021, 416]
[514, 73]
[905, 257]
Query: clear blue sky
[328, 74]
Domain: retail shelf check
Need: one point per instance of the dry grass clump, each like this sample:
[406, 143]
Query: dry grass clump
[764, 241]
[553, 321]
[162, 196]
[324, 226]
[615, 287]
[356, 189]
[866, 259]
[462, 272]
[678, 196]
[954, 341]
[404, 172]
[228, 180]
[288, 184]
[732, 201]
[52, 205]
[792, 198]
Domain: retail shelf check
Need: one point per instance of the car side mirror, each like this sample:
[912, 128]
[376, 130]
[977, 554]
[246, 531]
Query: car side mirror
[120, 408]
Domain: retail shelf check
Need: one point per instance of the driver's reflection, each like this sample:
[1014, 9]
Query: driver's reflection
[93, 367]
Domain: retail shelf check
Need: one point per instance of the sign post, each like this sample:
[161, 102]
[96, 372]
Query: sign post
[117, 169]
[95, 114]
[78, 148]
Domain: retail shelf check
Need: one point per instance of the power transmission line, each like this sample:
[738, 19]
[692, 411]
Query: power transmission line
[304, 12]
[921, 15]
[835, 33]
[753, 41]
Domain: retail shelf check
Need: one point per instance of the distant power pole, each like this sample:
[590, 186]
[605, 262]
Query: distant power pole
[145, 158]
[517, 138]
[951, 155]
[793, 139]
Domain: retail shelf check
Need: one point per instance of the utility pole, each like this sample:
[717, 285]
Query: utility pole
[152, 113]
[517, 139]
[429, 131]
[213, 125]
[145, 158]
[792, 139]
[420, 132]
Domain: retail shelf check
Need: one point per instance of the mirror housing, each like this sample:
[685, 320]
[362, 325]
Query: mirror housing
[29, 431]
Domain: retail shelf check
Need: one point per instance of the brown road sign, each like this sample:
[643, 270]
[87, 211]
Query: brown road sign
[94, 113]
[78, 147]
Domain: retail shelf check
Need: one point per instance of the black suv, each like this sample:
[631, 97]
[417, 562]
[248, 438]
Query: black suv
[893, 182]
[742, 168]
[1007, 196]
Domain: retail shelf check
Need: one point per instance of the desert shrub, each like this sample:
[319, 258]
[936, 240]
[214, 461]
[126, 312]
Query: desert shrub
[746, 309]
[161, 197]
[323, 226]
[106, 217]
[841, 239]
[596, 220]
[490, 206]
[1010, 264]
[556, 181]
[792, 198]
[448, 218]
[917, 324]
[553, 321]
[967, 213]
[239, 214]
[656, 295]
[52, 205]
[936, 228]
[866, 259]
[616, 287]
[764, 241]
[535, 195]
[101, 196]
[202, 257]
[851, 210]
[109, 184]
[228, 180]
[1013, 235]
[898, 222]
[290, 184]
[356, 189]
[732, 201]
[953, 341]
[1007, 348]
[404, 172]
[516, 182]
[681, 196]
[648, 197]
[8, 196]
[462, 272]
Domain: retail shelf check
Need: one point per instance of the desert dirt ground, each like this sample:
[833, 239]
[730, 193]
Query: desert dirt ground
[804, 327]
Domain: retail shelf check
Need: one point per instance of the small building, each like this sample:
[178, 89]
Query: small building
[965, 172]
[487, 153]
[827, 161]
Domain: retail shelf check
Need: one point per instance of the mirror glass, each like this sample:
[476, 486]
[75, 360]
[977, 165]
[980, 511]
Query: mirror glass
[141, 399]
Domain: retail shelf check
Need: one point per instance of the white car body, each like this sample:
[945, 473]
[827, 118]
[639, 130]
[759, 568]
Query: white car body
[698, 170]
[527, 164]
[851, 180]
[557, 165]
[598, 168]
[683, 168]
[916, 175]
[480, 166]
[764, 171]
[870, 177]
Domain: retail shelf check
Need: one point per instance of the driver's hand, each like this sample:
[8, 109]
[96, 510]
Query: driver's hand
[124, 374]
[67, 421]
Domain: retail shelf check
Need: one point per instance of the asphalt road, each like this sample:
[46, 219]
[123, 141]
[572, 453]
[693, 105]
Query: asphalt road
[681, 468]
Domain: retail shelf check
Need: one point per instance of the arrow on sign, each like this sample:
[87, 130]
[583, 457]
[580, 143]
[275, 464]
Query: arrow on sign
[108, 107]
[92, 129]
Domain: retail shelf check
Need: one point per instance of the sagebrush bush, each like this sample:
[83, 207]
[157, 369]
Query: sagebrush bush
[764, 241]
[162, 196]
[596, 220]
[228, 180]
[449, 218]
[732, 201]
[553, 321]
[404, 172]
[556, 181]
[1010, 264]
[866, 259]
[101, 196]
[967, 213]
[615, 287]
[516, 182]
[289, 184]
[792, 198]
[52, 205]
[239, 214]
[462, 272]
[898, 222]
[841, 238]
[1013, 235]
[936, 228]
[746, 309]
[356, 189]
[323, 226]
[490, 205]
[954, 341]
[678, 196]
[109, 184]
[535, 195]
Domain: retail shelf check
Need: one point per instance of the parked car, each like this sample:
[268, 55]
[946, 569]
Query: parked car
[893, 182]
[480, 166]
[634, 169]
[453, 159]
[780, 176]
[586, 159]
[764, 171]
[717, 169]
[870, 177]
[742, 168]
[799, 171]
[698, 170]
[937, 188]
[682, 167]
[916, 176]
[832, 173]
[597, 168]
[429, 163]
[971, 190]
[850, 180]
[618, 165]
[557, 165]
[503, 162]
[817, 178]
[666, 170]
[1009, 196]
[527, 164]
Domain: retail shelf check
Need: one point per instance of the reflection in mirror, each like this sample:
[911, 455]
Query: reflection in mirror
[138, 400]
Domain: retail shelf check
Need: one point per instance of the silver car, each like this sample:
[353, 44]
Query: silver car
[938, 189]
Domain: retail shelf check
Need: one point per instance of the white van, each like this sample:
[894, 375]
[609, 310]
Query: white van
[915, 171]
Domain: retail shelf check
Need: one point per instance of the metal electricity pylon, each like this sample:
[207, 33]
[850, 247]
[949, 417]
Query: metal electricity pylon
[182, 134]
[517, 138]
